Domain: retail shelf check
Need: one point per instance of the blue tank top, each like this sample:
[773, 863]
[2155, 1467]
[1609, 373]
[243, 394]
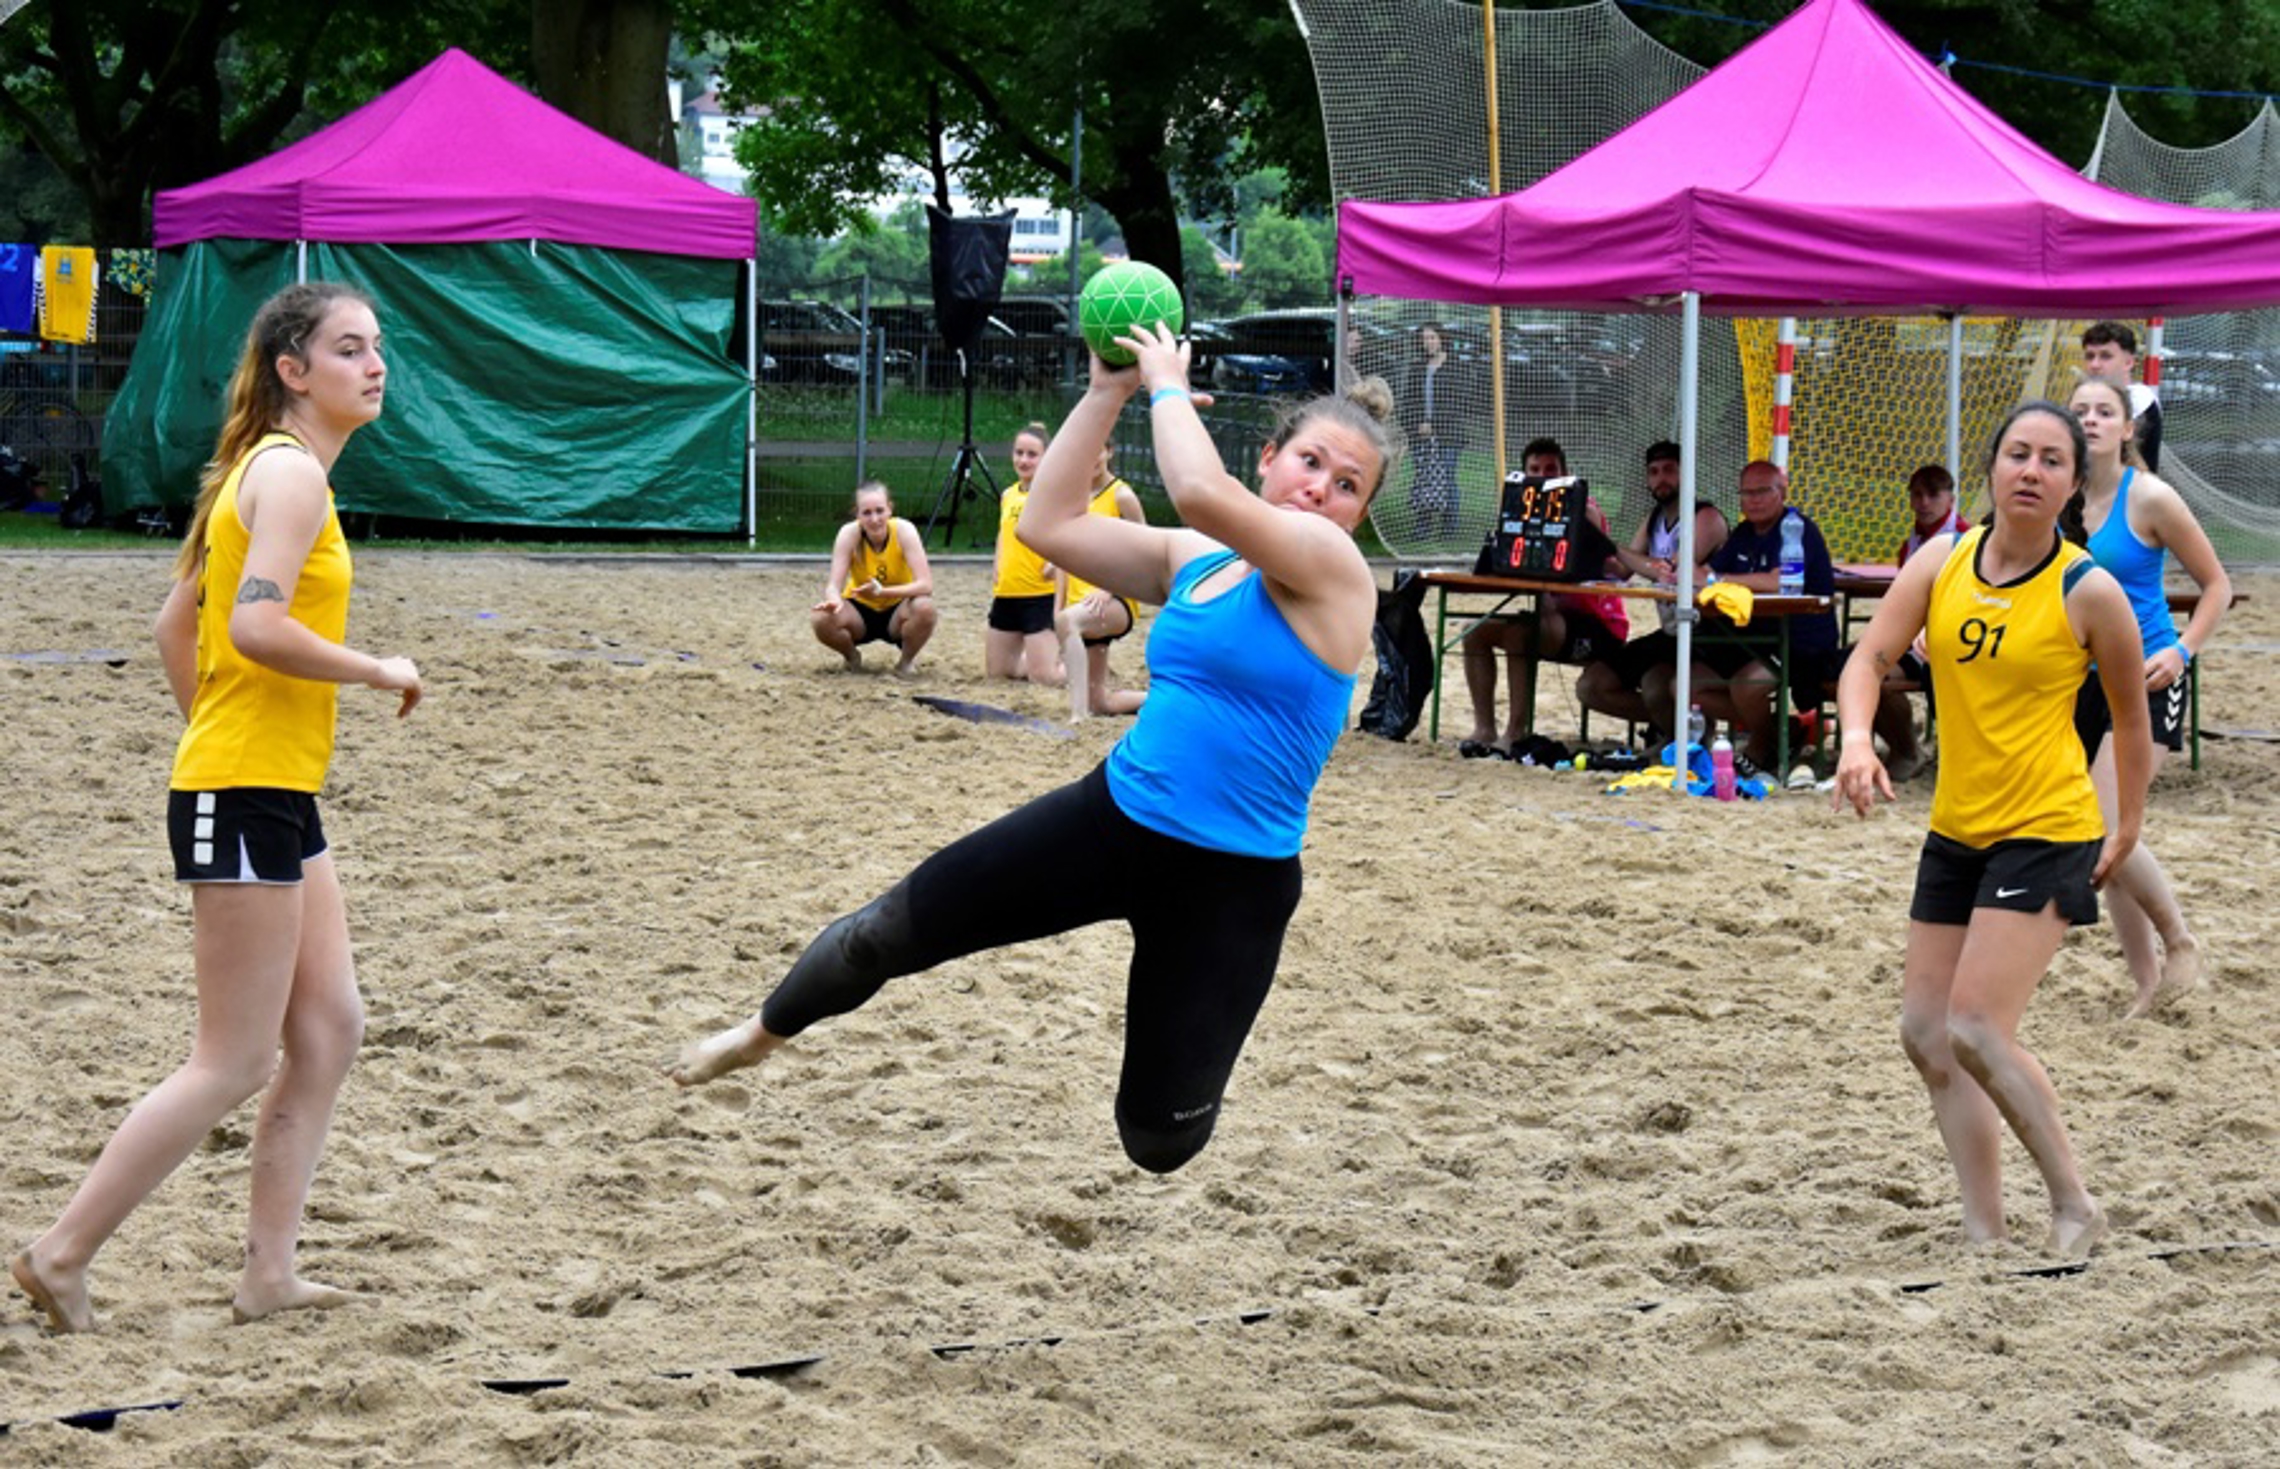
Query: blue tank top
[2138, 567]
[1240, 719]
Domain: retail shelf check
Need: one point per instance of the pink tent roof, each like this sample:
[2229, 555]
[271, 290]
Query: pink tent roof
[1826, 170]
[457, 153]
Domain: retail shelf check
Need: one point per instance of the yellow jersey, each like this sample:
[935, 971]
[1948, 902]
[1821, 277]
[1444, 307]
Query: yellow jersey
[887, 563]
[1103, 503]
[2005, 669]
[251, 725]
[1020, 571]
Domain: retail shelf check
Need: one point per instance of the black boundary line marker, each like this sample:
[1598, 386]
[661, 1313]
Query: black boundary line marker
[974, 713]
[2082, 1267]
[97, 1420]
[101, 1420]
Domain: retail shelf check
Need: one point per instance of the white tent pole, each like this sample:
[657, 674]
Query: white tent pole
[1689, 384]
[752, 402]
[1955, 398]
[300, 262]
[1784, 388]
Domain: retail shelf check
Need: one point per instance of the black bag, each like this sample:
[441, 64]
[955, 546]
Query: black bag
[19, 481]
[83, 507]
[1405, 671]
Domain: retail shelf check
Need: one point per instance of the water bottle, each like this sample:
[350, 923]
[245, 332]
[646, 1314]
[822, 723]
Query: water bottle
[1792, 554]
[1696, 725]
[1722, 768]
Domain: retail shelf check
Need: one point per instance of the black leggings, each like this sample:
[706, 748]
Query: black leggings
[1207, 930]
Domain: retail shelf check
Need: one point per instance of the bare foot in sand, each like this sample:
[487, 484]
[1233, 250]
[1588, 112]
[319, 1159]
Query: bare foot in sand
[2075, 1236]
[854, 661]
[253, 1302]
[2180, 972]
[61, 1294]
[715, 1056]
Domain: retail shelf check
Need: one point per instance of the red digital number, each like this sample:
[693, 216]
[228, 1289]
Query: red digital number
[1519, 550]
[1559, 554]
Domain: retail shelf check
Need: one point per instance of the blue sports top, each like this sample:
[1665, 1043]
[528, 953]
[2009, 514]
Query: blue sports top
[2138, 567]
[1240, 719]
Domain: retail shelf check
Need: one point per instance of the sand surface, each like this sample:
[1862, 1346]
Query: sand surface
[1576, 1130]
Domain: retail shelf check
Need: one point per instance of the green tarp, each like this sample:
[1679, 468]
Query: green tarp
[528, 384]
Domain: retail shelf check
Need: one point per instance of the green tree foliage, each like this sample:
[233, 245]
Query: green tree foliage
[1210, 290]
[122, 97]
[1050, 276]
[862, 93]
[787, 261]
[1284, 263]
[893, 253]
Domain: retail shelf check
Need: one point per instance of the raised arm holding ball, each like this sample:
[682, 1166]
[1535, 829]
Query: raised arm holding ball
[1194, 822]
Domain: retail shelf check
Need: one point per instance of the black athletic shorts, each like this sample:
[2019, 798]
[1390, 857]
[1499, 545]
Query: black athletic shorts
[1634, 660]
[1809, 668]
[1588, 639]
[1131, 621]
[2023, 876]
[1024, 615]
[247, 834]
[2093, 716]
[877, 623]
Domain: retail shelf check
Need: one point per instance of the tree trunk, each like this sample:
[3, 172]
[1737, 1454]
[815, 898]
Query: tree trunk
[603, 62]
[1141, 199]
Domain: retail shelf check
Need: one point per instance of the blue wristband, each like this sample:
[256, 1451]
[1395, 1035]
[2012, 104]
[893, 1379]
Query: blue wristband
[1161, 394]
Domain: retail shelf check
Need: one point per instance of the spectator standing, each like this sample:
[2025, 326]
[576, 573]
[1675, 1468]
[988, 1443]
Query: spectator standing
[2110, 350]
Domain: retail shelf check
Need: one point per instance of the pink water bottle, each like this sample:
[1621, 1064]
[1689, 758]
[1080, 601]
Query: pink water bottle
[1722, 768]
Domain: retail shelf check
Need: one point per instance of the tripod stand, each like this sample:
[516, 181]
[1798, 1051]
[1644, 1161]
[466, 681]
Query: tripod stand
[958, 485]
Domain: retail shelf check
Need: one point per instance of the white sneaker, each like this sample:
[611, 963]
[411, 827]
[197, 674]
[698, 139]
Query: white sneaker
[1801, 778]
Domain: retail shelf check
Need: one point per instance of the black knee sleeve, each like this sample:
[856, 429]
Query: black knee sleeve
[844, 966]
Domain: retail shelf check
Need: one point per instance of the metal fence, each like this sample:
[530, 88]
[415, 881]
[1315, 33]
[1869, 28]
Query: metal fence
[881, 397]
[53, 394]
[855, 383]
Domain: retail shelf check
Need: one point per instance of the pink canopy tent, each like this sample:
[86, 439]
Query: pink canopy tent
[1825, 170]
[486, 222]
[456, 153]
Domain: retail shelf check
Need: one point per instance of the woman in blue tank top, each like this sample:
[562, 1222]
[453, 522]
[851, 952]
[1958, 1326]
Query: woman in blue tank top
[1191, 828]
[2134, 522]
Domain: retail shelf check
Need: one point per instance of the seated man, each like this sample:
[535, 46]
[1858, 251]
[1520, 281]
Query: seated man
[1734, 681]
[1577, 629]
[879, 586]
[1931, 500]
[1634, 681]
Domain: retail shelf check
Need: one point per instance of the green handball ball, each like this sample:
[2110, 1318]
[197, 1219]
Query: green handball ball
[1121, 296]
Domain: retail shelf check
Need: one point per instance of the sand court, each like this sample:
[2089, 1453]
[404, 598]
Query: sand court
[1576, 1128]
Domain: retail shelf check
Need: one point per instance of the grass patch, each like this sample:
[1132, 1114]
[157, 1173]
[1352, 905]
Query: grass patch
[22, 532]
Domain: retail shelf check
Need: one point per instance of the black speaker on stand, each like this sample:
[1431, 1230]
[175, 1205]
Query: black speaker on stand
[967, 257]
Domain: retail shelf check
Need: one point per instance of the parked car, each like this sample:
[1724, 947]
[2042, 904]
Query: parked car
[817, 342]
[996, 361]
[1045, 345]
[1288, 351]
